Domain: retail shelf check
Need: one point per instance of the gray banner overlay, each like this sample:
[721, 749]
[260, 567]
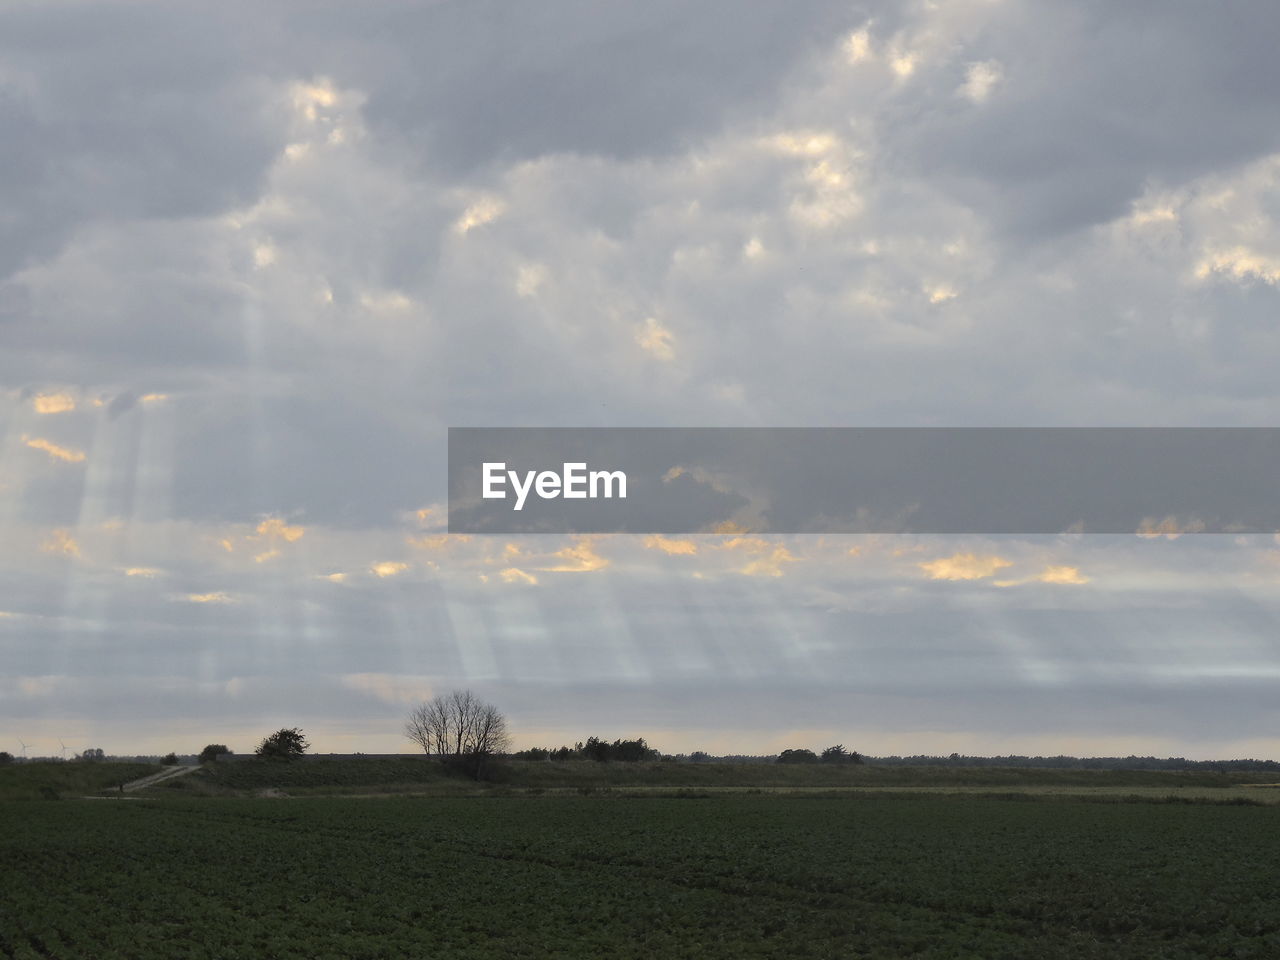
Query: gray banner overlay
[864, 480]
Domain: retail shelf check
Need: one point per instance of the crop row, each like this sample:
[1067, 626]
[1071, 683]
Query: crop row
[734, 876]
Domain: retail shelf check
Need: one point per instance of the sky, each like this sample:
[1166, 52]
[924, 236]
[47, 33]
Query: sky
[256, 259]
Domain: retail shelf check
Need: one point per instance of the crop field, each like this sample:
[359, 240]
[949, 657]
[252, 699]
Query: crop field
[727, 875]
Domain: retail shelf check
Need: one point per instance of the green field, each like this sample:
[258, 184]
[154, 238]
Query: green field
[600, 876]
[51, 781]
[325, 775]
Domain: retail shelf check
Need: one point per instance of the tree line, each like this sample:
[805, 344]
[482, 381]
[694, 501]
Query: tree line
[593, 748]
[465, 733]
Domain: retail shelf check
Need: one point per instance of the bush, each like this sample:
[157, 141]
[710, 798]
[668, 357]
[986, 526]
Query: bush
[287, 743]
[533, 753]
[169, 760]
[838, 754]
[623, 751]
[213, 751]
[797, 756]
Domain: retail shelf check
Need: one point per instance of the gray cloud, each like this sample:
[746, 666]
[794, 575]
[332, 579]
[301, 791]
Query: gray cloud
[284, 248]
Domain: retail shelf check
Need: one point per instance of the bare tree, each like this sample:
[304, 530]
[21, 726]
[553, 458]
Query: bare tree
[460, 728]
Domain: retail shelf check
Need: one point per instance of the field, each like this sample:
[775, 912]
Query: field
[709, 874]
[49, 781]
[333, 775]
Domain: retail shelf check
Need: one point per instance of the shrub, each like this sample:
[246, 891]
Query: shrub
[797, 756]
[287, 743]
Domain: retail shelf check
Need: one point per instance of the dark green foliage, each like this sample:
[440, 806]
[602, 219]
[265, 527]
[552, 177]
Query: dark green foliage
[285, 744]
[6, 757]
[798, 756]
[169, 760]
[323, 774]
[409, 773]
[622, 751]
[213, 751]
[92, 753]
[533, 753]
[874, 877]
[40, 779]
[838, 754]
[600, 751]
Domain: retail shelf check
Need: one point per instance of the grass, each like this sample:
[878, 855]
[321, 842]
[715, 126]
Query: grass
[925, 875]
[317, 774]
[391, 775]
[53, 781]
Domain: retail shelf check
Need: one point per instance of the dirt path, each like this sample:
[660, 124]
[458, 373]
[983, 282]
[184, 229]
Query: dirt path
[168, 773]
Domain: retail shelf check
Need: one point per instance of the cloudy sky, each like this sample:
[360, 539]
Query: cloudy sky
[255, 259]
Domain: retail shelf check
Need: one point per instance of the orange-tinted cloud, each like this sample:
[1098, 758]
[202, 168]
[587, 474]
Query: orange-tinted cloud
[60, 541]
[963, 566]
[1061, 574]
[1169, 527]
[274, 528]
[769, 565]
[54, 403]
[686, 548]
[579, 558]
[53, 450]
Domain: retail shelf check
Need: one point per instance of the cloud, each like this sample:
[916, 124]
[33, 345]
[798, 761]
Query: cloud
[397, 690]
[1062, 574]
[1169, 527]
[963, 566]
[53, 402]
[516, 575]
[53, 450]
[148, 573]
[581, 557]
[980, 79]
[770, 565]
[484, 210]
[43, 686]
[275, 528]
[655, 339]
[438, 541]
[1055, 574]
[214, 597]
[858, 46]
[1240, 264]
[61, 541]
[388, 568]
[749, 544]
[670, 546]
[893, 216]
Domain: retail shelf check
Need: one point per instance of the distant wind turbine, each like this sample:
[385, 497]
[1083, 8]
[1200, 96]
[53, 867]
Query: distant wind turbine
[64, 748]
[24, 750]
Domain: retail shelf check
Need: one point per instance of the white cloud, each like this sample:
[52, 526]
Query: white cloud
[981, 79]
